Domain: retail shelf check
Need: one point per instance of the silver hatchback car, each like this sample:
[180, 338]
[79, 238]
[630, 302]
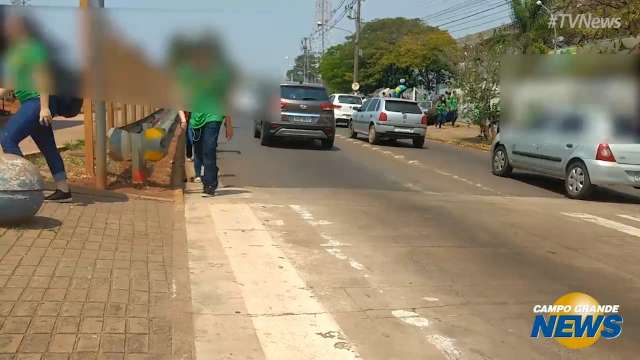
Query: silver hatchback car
[382, 118]
[585, 148]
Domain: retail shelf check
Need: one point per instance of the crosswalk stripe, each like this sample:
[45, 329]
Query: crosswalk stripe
[629, 217]
[606, 223]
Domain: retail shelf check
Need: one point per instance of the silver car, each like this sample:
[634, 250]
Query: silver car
[585, 148]
[382, 118]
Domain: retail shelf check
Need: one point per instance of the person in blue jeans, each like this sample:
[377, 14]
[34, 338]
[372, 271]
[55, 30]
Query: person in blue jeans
[205, 81]
[191, 155]
[27, 62]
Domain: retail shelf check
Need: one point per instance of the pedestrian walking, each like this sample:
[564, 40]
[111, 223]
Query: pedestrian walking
[205, 79]
[28, 67]
[441, 111]
[453, 108]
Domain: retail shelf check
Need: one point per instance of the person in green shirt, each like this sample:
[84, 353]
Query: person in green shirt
[27, 67]
[441, 110]
[452, 104]
[205, 81]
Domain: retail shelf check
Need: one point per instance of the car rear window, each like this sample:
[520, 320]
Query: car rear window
[303, 93]
[402, 107]
[345, 99]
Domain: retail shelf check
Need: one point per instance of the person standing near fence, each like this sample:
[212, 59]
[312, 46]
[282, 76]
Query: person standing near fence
[205, 79]
[28, 68]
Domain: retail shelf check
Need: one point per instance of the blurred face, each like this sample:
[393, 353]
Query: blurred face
[14, 27]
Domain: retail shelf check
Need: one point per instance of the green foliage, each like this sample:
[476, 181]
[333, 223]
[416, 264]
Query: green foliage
[336, 67]
[392, 48]
[478, 78]
[297, 72]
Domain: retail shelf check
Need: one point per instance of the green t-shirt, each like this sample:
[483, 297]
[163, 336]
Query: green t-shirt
[22, 61]
[441, 107]
[206, 94]
[453, 103]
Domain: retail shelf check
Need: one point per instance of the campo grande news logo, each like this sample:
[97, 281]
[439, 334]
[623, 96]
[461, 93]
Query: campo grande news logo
[576, 320]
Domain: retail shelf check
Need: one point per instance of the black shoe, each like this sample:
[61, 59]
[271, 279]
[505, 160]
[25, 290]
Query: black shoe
[209, 191]
[59, 196]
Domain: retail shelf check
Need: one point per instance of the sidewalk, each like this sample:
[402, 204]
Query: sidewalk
[462, 135]
[103, 278]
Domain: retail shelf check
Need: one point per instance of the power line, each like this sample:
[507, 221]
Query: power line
[472, 15]
[490, 21]
[464, 11]
[478, 18]
[451, 9]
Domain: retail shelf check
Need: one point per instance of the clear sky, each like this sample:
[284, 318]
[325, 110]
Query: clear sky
[261, 33]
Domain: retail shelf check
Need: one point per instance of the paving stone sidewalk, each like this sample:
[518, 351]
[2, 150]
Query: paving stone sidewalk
[104, 278]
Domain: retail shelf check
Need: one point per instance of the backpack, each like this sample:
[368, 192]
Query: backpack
[68, 106]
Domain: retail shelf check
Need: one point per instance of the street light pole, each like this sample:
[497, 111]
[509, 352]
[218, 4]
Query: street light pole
[555, 31]
[356, 41]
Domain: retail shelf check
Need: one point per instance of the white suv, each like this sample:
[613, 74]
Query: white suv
[343, 107]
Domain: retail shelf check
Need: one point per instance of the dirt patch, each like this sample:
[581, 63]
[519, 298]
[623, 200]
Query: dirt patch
[463, 135]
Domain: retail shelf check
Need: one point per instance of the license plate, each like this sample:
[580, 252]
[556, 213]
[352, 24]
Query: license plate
[303, 119]
[403, 130]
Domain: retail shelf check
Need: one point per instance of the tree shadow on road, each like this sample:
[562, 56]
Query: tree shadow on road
[600, 194]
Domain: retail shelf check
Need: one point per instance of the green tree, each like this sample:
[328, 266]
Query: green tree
[296, 73]
[392, 48]
[479, 79]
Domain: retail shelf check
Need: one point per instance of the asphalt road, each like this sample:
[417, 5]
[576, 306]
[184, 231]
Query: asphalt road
[400, 253]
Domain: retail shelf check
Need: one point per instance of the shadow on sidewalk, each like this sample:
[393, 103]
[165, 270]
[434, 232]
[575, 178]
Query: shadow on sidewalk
[38, 223]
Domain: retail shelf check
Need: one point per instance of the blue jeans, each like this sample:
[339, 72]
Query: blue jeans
[197, 160]
[26, 123]
[205, 146]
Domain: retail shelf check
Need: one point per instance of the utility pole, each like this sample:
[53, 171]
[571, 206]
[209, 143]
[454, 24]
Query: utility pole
[323, 20]
[356, 42]
[305, 49]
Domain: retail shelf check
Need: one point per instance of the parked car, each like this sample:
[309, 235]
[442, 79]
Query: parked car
[343, 107]
[305, 112]
[389, 118]
[585, 148]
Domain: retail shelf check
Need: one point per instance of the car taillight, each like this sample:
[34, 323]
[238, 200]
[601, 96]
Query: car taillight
[423, 120]
[326, 106]
[382, 116]
[604, 153]
[335, 106]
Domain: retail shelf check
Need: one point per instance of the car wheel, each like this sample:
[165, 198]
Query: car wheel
[577, 183]
[256, 131]
[265, 137]
[373, 135]
[418, 142]
[500, 165]
[352, 133]
[328, 143]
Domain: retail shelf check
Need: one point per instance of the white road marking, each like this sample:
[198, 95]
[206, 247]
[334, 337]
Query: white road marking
[629, 217]
[414, 162]
[387, 152]
[287, 317]
[337, 253]
[410, 318]
[446, 346]
[398, 156]
[356, 265]
[430, 299]
[331, 242]
[606, 223]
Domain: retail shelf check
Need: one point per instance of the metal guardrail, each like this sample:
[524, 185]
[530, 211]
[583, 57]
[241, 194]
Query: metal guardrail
[147, 139]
